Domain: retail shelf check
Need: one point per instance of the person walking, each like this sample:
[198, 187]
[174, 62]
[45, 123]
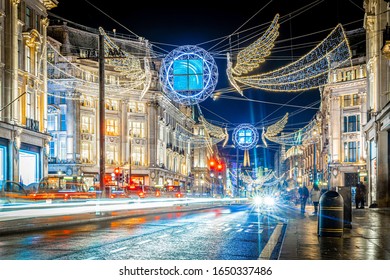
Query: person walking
[304, 194]
[360, 195]
[315, 194]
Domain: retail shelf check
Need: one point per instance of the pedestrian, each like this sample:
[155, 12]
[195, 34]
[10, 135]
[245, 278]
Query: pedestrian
[360, 195]
[315, 194]
[303, 195]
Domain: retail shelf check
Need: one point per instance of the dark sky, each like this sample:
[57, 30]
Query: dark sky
[168, 24]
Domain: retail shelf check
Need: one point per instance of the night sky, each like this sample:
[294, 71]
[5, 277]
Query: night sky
[167, 25]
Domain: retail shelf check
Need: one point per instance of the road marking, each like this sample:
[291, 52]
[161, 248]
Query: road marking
[144, 241]
[226, 229]
[178, 231]
[118, 250]
[270, 246]
[239, 230]
[91, 258]
[162, 236]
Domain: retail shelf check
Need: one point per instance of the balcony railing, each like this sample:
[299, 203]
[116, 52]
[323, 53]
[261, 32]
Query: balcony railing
[32, 124]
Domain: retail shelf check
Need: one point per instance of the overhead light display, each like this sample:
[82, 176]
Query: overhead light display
[188, 75]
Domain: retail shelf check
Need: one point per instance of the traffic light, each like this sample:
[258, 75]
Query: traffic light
[116, 172]
[121, 177]
[311, 176]
[212, 164]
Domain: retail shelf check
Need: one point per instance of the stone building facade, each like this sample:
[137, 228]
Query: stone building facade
[23, 83]
[147, 136]
[377, 129]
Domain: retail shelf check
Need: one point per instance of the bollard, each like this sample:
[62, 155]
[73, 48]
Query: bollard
[331, 214]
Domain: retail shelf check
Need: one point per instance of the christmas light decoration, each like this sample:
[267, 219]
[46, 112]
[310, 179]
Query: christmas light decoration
[290, 139]
[309, 72]
[188, 75]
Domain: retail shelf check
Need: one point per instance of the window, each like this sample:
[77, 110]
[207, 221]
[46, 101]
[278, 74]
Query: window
[138, 156]
[52, 149]
[86, 152]
[28, 60]
[52, 122]
[355, 100]
[351, 151]
[352, 123]
[137, 129]
[63, 119]
[28, 18]
[28, 105]
[347, 100]
[87, 124]
[62, 154]
[112, 154]
[188, 74]
[112, 127]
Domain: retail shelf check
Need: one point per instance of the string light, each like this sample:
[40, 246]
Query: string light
[295, 138]
[309, 72]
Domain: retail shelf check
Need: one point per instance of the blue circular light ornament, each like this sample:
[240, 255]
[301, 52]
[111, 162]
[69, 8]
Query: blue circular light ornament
[245, 136]
[188, 75]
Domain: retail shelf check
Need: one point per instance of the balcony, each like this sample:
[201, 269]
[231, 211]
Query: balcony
[32, 124]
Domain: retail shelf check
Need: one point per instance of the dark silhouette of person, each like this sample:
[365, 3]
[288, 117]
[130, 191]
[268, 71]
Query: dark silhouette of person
[360, 195]
[304, 194]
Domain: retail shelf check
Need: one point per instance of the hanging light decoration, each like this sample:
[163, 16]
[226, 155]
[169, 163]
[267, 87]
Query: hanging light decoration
[309, 72]
[291, 139]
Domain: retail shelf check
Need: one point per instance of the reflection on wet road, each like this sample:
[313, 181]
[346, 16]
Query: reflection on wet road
[230, 232]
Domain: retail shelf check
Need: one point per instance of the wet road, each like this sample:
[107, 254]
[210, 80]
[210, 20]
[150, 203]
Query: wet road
[231, 233]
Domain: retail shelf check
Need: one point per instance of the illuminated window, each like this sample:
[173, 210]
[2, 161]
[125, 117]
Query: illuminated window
[112, 154]
[188, 74]
[112, 127]
[352, 123]
[137, 129]
[86, 152]
[87, 124]
[138, 156]
[351, 151]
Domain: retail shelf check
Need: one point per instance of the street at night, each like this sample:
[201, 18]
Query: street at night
[196, 140]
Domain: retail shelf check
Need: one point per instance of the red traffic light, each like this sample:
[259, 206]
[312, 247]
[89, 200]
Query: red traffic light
[116, 170]
[220, 167]
[212, 163]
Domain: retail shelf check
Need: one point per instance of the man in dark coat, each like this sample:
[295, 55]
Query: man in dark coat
[360, 195]
[304, 194]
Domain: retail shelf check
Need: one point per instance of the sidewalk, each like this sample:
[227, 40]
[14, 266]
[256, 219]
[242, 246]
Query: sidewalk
[368, 239]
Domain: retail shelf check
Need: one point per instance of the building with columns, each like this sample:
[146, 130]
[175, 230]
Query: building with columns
[146, 134]
[23, 83]
[377, 129]
[335, 152]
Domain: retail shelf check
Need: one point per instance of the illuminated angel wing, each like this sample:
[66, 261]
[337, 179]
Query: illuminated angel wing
[277, 127]
[253, 55]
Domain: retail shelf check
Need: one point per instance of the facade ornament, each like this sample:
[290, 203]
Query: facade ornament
[17, 141]
[49, 4]
[33, 38]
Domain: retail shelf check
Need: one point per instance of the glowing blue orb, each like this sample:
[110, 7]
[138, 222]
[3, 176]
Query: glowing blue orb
[245, 136]
[188, 75]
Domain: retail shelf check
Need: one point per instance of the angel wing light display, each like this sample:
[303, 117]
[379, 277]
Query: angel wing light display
[309, 72]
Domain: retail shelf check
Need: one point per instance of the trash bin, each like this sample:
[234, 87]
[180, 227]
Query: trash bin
[331, 214]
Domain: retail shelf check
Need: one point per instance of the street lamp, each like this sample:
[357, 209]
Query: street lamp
[130, 139]
[314, 134]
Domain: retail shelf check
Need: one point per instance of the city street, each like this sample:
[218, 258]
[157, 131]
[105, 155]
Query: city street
[230, 232]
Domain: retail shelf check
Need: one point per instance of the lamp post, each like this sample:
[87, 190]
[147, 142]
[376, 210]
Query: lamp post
[314, 134]
[130, 139]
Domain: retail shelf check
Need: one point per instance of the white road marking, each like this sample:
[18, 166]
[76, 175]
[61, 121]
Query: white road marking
[118, 250]
[273, 240]
[144, 241]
